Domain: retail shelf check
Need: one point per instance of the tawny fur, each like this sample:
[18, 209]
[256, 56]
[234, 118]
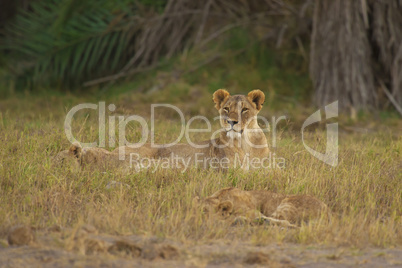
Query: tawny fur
[77, 157]
[245, 139]
[284, 210]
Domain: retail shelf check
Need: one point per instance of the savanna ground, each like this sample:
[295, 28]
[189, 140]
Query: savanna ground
[152, 212]
[147, 218]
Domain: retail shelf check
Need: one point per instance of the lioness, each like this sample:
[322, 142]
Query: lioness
[241, 140]
[76, 157]
[280, 209]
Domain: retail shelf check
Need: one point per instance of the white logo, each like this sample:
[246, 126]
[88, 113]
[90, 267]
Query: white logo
[330, 156]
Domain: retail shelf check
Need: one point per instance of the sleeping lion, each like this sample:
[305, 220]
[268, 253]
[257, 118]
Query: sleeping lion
[278, 209]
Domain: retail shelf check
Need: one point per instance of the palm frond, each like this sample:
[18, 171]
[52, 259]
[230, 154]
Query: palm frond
[67, 41]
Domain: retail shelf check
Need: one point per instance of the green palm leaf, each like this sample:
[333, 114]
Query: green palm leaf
[68, 41]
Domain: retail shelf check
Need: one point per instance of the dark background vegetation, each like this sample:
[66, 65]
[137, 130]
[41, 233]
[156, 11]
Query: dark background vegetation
[304, 51]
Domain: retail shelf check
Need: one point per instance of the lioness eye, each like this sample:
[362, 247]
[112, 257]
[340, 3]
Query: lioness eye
[226, 109]
[244, 110]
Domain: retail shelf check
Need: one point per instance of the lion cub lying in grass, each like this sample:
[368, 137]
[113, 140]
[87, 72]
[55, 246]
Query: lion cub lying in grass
[77, 157]
[265, 206]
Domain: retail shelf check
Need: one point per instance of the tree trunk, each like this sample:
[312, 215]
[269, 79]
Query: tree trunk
[356, 52]
[387, 37]
[340, 63]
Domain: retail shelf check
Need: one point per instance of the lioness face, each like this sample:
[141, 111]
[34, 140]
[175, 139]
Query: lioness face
[238, 112]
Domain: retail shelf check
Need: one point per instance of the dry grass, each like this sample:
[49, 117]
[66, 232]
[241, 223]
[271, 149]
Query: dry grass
[364, 190]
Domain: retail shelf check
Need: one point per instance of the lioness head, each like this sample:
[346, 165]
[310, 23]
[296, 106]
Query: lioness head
[70, 158]
[238, 112]
[214, 206]
[76, 157]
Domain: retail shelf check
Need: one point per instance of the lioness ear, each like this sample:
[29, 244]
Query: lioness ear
[226, 207]
[76, 150]
[219, 97]
[257, 97]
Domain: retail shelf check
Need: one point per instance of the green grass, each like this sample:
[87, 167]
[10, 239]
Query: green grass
[363, 191]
